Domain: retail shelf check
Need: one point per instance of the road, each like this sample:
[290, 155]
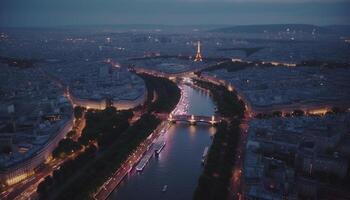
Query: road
[27, 188]
[107, 188]
[237, 182]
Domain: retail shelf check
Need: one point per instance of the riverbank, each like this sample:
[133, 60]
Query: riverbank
[99, 164]
[98, 138]
[163, 95]
[214, 182]
[179, 164]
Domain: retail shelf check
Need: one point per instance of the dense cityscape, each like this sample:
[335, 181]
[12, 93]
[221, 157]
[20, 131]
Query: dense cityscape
[202, 112]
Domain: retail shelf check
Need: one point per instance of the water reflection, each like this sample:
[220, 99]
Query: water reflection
[179, 164]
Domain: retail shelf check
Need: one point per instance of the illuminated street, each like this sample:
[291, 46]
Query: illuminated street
[128, 165]
[237, 181]
[27, 188]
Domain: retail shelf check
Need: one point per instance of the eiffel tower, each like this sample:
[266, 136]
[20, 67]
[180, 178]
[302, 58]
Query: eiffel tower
[198, 55]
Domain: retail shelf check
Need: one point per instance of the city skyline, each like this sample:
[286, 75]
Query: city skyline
[174, 99]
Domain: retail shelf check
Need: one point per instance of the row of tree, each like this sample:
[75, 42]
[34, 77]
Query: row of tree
[102, 126]
[68, 146]
[214, 183]
[110, 122]
[229, 66]
[78, 112]
[109, 129]
[87, 175]
[60, 176]
[227, 102]
[168, 94]
[298, 113]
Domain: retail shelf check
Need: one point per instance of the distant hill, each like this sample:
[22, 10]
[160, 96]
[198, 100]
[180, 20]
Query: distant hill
[341, 29]
[274, 28]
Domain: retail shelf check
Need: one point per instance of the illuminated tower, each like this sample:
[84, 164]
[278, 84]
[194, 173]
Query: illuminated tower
[198, 55]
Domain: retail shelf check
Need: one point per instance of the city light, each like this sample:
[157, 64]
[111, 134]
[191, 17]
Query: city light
[19, 178]
[268, 103]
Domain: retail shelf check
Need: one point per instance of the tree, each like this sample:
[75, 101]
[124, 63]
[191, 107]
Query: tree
[71, 133]
[6, 149]
[277, 114]
[78, 112]
[287, 115]
[167, 92]
[337, 110]
[44, 186]
[66, 146]
[298, 113]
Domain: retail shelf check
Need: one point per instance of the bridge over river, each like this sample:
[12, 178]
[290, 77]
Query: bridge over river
[194, 119]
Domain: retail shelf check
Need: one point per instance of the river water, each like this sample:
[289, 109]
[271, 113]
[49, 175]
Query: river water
[179, 163]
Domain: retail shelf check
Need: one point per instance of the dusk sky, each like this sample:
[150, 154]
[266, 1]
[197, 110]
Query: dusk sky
[172, 12]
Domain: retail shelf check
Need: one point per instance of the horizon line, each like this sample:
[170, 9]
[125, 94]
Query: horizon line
[165, 25]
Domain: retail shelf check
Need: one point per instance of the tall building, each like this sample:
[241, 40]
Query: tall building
[198, 55]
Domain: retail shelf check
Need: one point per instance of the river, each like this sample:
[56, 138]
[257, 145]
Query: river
[179, 163]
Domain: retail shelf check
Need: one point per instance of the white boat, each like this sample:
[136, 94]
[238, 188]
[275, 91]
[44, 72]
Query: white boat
[158, 147]
[165, 187]
[205, 154]
[141, 165]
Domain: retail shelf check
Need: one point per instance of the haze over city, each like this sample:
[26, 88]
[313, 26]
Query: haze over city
[173, 12]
